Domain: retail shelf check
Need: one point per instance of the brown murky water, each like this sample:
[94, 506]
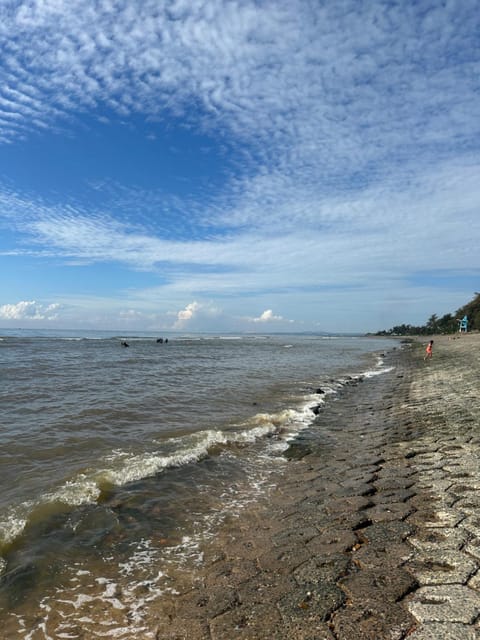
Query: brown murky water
[116, 462]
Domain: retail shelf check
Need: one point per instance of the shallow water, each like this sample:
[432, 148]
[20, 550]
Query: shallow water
[116, 462]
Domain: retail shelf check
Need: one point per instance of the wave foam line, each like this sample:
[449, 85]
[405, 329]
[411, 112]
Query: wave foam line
[124, 467]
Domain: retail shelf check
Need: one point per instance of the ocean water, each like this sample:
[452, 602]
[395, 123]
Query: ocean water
[116, 462]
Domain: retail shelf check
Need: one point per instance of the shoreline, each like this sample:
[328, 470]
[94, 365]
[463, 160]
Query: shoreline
[371, 530]
[253, 421]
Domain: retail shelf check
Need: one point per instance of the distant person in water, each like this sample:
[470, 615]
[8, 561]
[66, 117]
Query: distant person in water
[125, 344]
[429, 350]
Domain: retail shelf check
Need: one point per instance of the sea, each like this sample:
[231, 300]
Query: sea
[121, 456]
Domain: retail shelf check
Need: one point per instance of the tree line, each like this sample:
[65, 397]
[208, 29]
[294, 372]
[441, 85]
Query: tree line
[449, 323]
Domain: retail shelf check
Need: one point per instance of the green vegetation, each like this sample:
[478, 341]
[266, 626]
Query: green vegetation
[446, 324]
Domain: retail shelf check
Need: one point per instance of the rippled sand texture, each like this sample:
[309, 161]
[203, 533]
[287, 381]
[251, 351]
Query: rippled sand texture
[372, 532]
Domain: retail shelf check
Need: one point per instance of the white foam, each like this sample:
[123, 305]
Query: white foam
[12, 526]
[125, 467]
[79, 601]
[249, 436]
[377, 372]
[82, 490]
[119, 602]
[130, 468]
[122, 467]
[109, 594]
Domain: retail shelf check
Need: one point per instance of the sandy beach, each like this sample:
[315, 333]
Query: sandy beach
[371, 531]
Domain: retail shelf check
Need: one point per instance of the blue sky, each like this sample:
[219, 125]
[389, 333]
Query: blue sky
[213, 165]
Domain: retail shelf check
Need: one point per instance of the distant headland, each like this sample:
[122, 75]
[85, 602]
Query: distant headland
[449, 323]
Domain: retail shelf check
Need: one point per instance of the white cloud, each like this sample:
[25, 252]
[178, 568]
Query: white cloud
[309, 240]
[198, 316]
[29, 310]
[188, 313]
[357, 126]
[360, 83]
[267, 316]
[359, 251]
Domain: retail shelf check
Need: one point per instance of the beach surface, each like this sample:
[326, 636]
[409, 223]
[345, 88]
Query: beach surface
[372, 529]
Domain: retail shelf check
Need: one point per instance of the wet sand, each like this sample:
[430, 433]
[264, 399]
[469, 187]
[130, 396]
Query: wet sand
[372, 531]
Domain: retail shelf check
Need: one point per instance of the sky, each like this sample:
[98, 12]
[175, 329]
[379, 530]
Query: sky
[238, 165]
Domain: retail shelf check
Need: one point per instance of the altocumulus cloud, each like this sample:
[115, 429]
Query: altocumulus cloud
[293, 73]
[347, 117]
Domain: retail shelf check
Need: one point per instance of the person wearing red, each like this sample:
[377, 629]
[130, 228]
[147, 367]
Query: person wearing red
[429, 350]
